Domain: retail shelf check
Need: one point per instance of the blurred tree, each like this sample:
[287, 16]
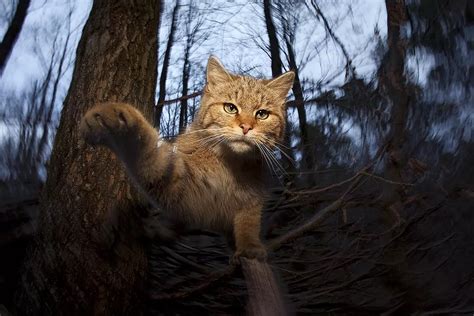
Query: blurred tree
[13, 31]
[29, 116]
[289, 13]
[349, 67]
[395, 88]
[86, 258]
[273, 41]
[194, 37]
[165, 66]
[277, 68]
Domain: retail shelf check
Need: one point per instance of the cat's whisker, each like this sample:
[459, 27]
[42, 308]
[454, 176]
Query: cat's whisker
[276, 146]
[273, 158]
[204, 139]
[207, 138]
[223, 139]
[279, 167]
[205, 130]
[219, 139]
[211, 140]
[279, 170]
[276, 166]
[265, 158]
[285, 154]
[274, 141]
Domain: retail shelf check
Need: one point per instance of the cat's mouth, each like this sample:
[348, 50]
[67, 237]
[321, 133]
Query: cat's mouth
[241, 144]
[245, 139]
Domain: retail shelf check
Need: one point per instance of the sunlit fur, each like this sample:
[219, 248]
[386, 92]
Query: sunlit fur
[212, 176]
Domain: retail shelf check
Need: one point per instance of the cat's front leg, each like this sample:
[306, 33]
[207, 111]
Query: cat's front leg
[120, 127]
[247, 235]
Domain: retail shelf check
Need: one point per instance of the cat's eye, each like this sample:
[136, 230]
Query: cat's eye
[230, 108]
[262, 114]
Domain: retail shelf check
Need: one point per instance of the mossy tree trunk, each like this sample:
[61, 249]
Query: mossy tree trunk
[87, 258]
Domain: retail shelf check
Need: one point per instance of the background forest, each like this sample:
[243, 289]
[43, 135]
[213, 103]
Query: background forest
[373, 192]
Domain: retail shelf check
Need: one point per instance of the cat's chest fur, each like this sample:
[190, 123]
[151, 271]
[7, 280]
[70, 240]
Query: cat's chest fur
[212, 187]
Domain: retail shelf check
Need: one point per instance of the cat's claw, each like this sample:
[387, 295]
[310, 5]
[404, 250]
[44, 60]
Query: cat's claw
[105, 121]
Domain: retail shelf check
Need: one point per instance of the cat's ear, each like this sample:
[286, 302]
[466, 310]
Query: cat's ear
[216, 73]
[282, 84]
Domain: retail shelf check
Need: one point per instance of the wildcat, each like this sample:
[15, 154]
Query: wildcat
[212, 176]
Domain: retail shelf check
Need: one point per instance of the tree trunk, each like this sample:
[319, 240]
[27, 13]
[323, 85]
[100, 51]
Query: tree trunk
[277, 65]
[306, 147]
[87, 258]
[165, 66]
[396, 89]
[8, 42]
[183, 111]
[394, 86]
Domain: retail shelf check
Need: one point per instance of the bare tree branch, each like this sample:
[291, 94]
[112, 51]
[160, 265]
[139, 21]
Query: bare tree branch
[350, 69]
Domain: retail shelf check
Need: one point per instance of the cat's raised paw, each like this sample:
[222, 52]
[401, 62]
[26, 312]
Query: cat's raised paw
[105, 122]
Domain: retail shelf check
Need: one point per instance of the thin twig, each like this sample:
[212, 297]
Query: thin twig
[320, 216]
[317, 219]
[182, 98]
[387, 180]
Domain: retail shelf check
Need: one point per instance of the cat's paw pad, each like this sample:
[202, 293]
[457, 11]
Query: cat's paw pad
[105, 121]
[256, 251]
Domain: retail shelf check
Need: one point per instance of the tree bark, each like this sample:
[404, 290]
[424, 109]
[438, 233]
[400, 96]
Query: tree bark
[9, 40]
[87, 258]
[165, 66]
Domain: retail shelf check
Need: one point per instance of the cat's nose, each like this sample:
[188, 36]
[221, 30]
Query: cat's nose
[245, 128]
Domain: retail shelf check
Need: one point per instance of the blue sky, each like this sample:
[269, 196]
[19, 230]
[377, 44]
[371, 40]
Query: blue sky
[236, 29]
[232, 41]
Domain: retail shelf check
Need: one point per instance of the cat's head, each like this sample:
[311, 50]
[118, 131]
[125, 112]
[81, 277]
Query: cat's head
[247, 112]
